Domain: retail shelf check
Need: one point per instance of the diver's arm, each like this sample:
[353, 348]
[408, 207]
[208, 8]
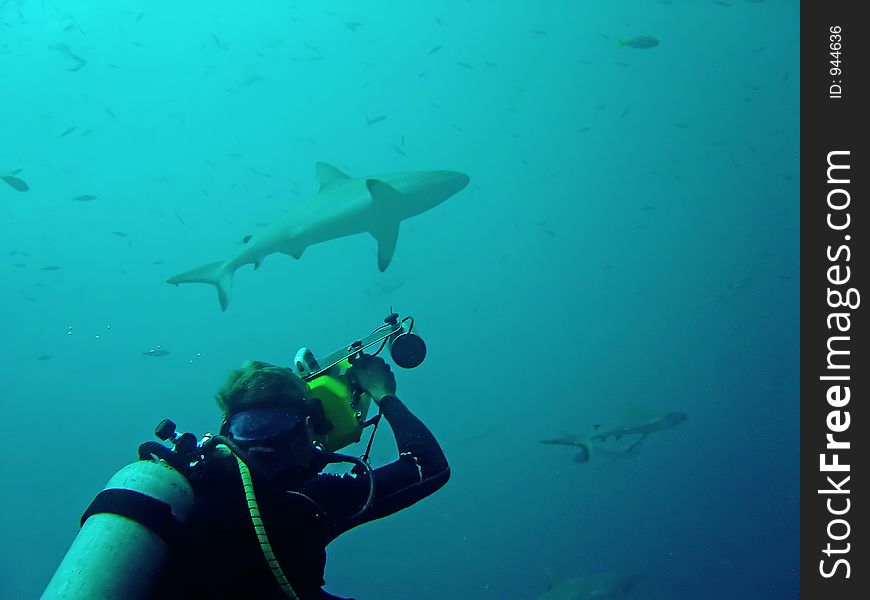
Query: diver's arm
[418, 472]
[414, 439]
[420, 469]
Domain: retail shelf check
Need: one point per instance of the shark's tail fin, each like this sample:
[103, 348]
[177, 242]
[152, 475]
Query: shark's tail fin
[213, 273]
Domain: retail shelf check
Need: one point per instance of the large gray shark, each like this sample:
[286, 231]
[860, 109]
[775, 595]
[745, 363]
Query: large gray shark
[597, 586]
[343, 206]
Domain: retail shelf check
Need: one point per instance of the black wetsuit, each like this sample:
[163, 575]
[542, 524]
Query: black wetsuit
[220, 556]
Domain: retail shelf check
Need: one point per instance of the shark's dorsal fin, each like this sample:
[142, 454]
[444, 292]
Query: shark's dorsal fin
[632, 412]
[328, 175]
[552, 577]
[384, 196]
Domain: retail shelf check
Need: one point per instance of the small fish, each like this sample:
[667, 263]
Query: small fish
[139, 18]
[44, 357]
[19, 185]
[68, 131]
[385, 288]
[50, 268]
[84, 198]
[538, 31]
[218, 42]
[156, 352]
[373, 120]
[250, 80]
[353, 25]
[66, 51]
[110, 113]
[464, 64]
[120, 233]
[435, 49]
[641, 42]
[398, 150]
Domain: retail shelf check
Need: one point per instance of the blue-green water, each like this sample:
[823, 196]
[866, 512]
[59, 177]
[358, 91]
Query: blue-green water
[630, 232]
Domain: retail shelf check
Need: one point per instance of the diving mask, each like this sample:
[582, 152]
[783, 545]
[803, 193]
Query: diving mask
[259, 426]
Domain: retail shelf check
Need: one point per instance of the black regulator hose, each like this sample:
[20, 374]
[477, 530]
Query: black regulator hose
[333, 457]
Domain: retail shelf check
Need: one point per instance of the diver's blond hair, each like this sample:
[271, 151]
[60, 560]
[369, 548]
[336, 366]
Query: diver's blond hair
[261, 384]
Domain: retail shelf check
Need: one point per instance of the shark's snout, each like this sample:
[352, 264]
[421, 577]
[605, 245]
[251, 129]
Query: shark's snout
[448, 182]
[458, 180]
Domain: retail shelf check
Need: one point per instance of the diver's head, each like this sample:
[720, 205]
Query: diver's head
[270, 413]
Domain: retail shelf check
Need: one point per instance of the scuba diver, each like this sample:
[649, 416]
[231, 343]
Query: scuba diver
[248, 513]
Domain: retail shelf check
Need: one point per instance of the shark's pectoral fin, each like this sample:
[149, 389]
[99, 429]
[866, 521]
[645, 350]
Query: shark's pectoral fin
[638, 442]
[386, 237]
[328, 175]
[385, 199]
[295, 252]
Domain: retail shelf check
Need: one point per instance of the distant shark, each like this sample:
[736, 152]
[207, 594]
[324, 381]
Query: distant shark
[640, 422]
[597, 586]
[635, 423]
[343, 206]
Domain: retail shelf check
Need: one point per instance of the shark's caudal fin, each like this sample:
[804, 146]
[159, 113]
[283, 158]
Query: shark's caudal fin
[213, 273]
[385, 197]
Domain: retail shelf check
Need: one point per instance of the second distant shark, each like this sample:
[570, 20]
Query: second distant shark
[635, 423]
[343, 206]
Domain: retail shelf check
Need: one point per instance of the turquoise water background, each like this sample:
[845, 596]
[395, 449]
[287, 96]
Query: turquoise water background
[630, 233]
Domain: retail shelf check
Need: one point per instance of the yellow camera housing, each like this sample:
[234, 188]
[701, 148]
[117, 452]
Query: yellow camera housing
[345, 410]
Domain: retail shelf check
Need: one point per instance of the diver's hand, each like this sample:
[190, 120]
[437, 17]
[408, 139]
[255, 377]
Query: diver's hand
[372, 375]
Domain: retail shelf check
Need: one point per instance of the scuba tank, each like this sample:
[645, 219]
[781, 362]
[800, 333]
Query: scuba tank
[125, 536]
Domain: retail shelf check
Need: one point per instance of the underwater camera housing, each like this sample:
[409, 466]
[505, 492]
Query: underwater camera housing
[343, 406]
